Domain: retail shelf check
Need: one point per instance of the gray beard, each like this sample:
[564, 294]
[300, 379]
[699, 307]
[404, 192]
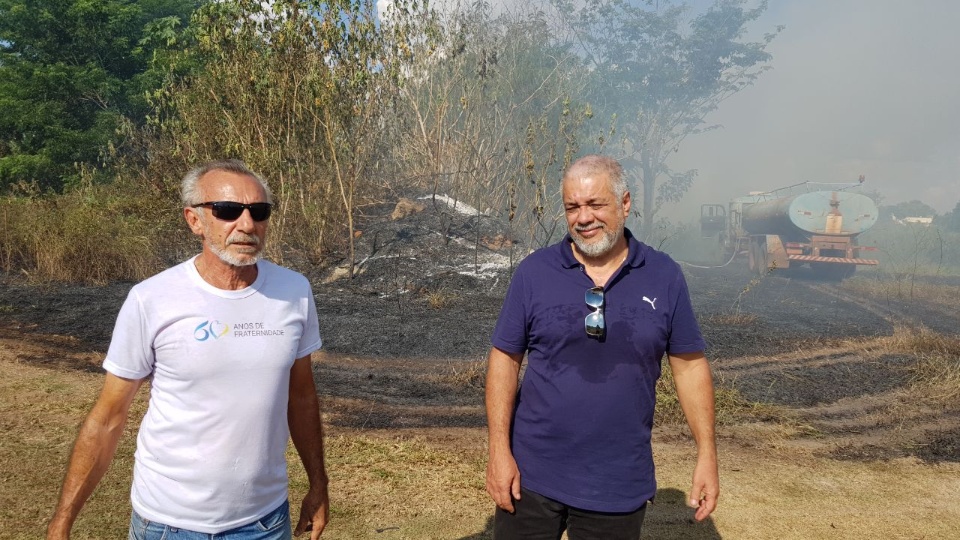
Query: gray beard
[600, 247]
[232, 259]
[228, 257]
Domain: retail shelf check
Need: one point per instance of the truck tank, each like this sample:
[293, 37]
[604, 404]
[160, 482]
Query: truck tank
[830, 213]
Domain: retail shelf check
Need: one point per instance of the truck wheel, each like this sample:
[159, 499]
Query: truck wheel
[758, 257]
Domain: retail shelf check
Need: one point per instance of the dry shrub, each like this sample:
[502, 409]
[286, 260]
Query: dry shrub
[287, 88]
[465, 375]
[903, 286]
[731, 407]
[936, 368]
[91, 236]
[441, 298]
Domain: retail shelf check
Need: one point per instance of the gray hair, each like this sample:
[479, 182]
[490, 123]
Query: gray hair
[605, 165]
[190, 187]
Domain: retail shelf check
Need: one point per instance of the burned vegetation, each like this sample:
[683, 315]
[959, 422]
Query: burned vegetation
[867, 372]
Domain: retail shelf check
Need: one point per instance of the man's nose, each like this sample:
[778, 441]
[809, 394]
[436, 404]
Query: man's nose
[245, 221]
[584, 215]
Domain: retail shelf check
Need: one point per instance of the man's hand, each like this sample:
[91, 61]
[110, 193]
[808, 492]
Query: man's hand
[306, 430]
[691, 374]
[314, 513]
[503, 481]
[706, 488]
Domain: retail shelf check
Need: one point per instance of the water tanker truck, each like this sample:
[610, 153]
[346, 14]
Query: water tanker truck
[784, 229]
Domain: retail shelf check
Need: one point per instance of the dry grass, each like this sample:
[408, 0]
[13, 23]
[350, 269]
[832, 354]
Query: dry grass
[936, 361]
[731, 406]
[91, 236]
[399, 484]
[428, 491]
[463, 375]
[936, 368]
[440, 298]
[404, 485]
[788, 493]
[40, 412]
[901, 287]
[731, 319]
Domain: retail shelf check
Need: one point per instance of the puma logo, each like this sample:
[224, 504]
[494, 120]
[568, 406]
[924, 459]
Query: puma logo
[649, 301]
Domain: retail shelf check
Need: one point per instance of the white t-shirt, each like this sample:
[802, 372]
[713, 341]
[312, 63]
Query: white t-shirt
[211, 449]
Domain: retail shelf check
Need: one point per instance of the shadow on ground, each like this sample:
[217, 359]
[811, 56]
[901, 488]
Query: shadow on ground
[667, 518]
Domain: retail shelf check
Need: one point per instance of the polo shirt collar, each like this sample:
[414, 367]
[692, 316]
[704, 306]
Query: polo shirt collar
[635, 251]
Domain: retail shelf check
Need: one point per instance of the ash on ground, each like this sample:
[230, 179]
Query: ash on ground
[405, 334]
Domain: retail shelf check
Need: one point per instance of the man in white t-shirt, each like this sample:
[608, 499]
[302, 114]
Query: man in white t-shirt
[227, 340]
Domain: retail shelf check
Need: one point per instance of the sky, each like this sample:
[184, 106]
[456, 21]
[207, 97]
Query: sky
[857, 87]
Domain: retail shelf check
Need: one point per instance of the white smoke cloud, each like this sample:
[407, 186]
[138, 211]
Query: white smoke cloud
[857, 87]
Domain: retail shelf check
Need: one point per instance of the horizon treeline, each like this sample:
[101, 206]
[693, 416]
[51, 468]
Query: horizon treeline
[105, 104]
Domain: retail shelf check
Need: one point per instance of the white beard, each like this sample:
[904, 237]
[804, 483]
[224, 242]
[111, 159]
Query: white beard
[232, 259]
[601, 246]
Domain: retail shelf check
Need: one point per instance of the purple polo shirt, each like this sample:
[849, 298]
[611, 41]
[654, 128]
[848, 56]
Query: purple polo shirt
[584, 412]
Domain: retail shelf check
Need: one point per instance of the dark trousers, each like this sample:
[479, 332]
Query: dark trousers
[540, 518]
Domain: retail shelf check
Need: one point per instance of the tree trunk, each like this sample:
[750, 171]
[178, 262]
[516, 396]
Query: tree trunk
[649, 182]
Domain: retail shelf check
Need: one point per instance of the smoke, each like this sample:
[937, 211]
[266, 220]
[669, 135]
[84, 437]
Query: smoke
[857, 87]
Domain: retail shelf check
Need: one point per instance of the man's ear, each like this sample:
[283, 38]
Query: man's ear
[626, 203]
[194, 221]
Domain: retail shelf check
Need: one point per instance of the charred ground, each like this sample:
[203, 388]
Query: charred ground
[405, 337]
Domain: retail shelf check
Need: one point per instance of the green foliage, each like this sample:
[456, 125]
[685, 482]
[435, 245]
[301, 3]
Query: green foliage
[656, 77]
[335, 108]
[68, 71]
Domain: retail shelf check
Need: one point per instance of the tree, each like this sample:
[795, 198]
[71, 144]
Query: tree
[69, 70]
[902, 210]
[488, 116]
[294, 88]
[657, 77]
[952, 219]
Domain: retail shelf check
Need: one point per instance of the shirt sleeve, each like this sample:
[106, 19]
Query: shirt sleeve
[310, 340]
[510, 333]
[131, 347]
[685, 336]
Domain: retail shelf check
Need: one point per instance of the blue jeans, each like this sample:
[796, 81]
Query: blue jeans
[273, 526]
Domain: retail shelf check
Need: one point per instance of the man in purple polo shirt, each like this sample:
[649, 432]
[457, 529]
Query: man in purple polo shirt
[594, 315]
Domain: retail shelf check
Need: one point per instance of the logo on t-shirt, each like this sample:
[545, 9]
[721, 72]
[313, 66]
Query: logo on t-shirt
[214, 329]
[210, 329]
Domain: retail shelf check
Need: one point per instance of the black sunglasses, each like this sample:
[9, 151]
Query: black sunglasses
[231, 211]
[594, 323]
